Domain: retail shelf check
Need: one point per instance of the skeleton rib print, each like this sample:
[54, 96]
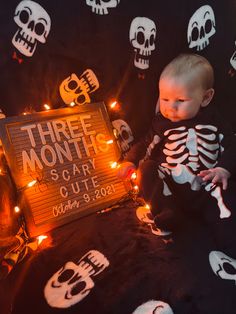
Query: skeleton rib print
[194, 147]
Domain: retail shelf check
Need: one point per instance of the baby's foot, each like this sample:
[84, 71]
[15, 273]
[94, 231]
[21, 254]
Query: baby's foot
[144, 214]
[166, 220]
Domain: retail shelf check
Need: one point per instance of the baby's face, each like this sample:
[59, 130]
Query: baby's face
[180, 97]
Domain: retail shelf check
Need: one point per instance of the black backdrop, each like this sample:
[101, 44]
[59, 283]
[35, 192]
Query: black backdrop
[142, 265]
[80, 39]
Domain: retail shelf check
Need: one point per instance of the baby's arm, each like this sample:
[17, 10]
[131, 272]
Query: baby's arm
[216, 175]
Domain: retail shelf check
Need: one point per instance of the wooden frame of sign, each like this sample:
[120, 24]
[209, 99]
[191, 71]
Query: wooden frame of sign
[66, 152]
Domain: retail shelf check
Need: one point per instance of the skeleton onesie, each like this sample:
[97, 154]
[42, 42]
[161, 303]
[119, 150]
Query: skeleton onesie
[173, 153]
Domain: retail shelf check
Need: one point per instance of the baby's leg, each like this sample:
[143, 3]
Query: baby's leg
[163, 207]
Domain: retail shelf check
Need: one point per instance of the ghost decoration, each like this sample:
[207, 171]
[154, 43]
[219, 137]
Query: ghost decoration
[201, 27]
[77, 90]
[123, 134]
[73, 282]
[154, 307]
[222, 265]
[101, 6]
[142, 36]
[34, 25]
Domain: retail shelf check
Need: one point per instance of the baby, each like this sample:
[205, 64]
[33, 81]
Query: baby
[188, 154]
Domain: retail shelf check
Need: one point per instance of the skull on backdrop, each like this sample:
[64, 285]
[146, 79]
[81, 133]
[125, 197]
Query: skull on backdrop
[34, 25]
[101, 6]
[124, 134]
[142, 35]
[233, 59]
[73, 282]
[154, 307]
[201, 27]
[77, 90]
[223, 265]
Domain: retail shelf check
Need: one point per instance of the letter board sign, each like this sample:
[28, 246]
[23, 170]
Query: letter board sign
[67, 152]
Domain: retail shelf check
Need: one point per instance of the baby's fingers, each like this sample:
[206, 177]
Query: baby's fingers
[224, 183]
[216, 179]
[208, 176]
[203, 173]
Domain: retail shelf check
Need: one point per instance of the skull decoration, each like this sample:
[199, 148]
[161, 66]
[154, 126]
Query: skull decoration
[34, 25]
[223, 265]
[142, 35]
[73, 282]
[124, 134]
[233, 60]
[201, 27]
[77, 90]
[101, 6]
[154, 307]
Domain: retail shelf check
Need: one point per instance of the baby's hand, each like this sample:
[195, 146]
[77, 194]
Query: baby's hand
[216, 175]
[125, 170]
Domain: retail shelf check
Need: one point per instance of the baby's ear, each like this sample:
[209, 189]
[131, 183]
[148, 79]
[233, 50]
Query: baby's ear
[209, 93]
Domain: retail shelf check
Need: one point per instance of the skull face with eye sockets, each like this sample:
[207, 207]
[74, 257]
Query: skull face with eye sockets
[101, 6]
[123, 134]
[223, 265]
[34, 25]
[77, 90]
[142, 35]
[201, 27]
[73, 282]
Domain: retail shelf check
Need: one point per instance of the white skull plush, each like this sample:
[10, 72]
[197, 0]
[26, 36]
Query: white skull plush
[73, 282]
[223, 265]
[142, 35]
[77, 90]
[34, 25]
[154, 307]
[124, 134]
[201, 27]
[101, 6]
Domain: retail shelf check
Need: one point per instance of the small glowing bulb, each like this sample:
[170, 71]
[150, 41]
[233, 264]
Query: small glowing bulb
[114, 165]
[72, 104]
[110, 142]
[147, 206]
[24, 113]
[30, 184]
[133, 176]
[136, 188]
[41, 238]
[17, 209]
[113, 104]
[47, 107]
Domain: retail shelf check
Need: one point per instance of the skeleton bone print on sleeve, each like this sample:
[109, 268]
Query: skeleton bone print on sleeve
[73, 282]
[34, 25]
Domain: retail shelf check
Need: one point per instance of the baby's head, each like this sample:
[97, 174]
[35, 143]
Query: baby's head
[186, 85]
